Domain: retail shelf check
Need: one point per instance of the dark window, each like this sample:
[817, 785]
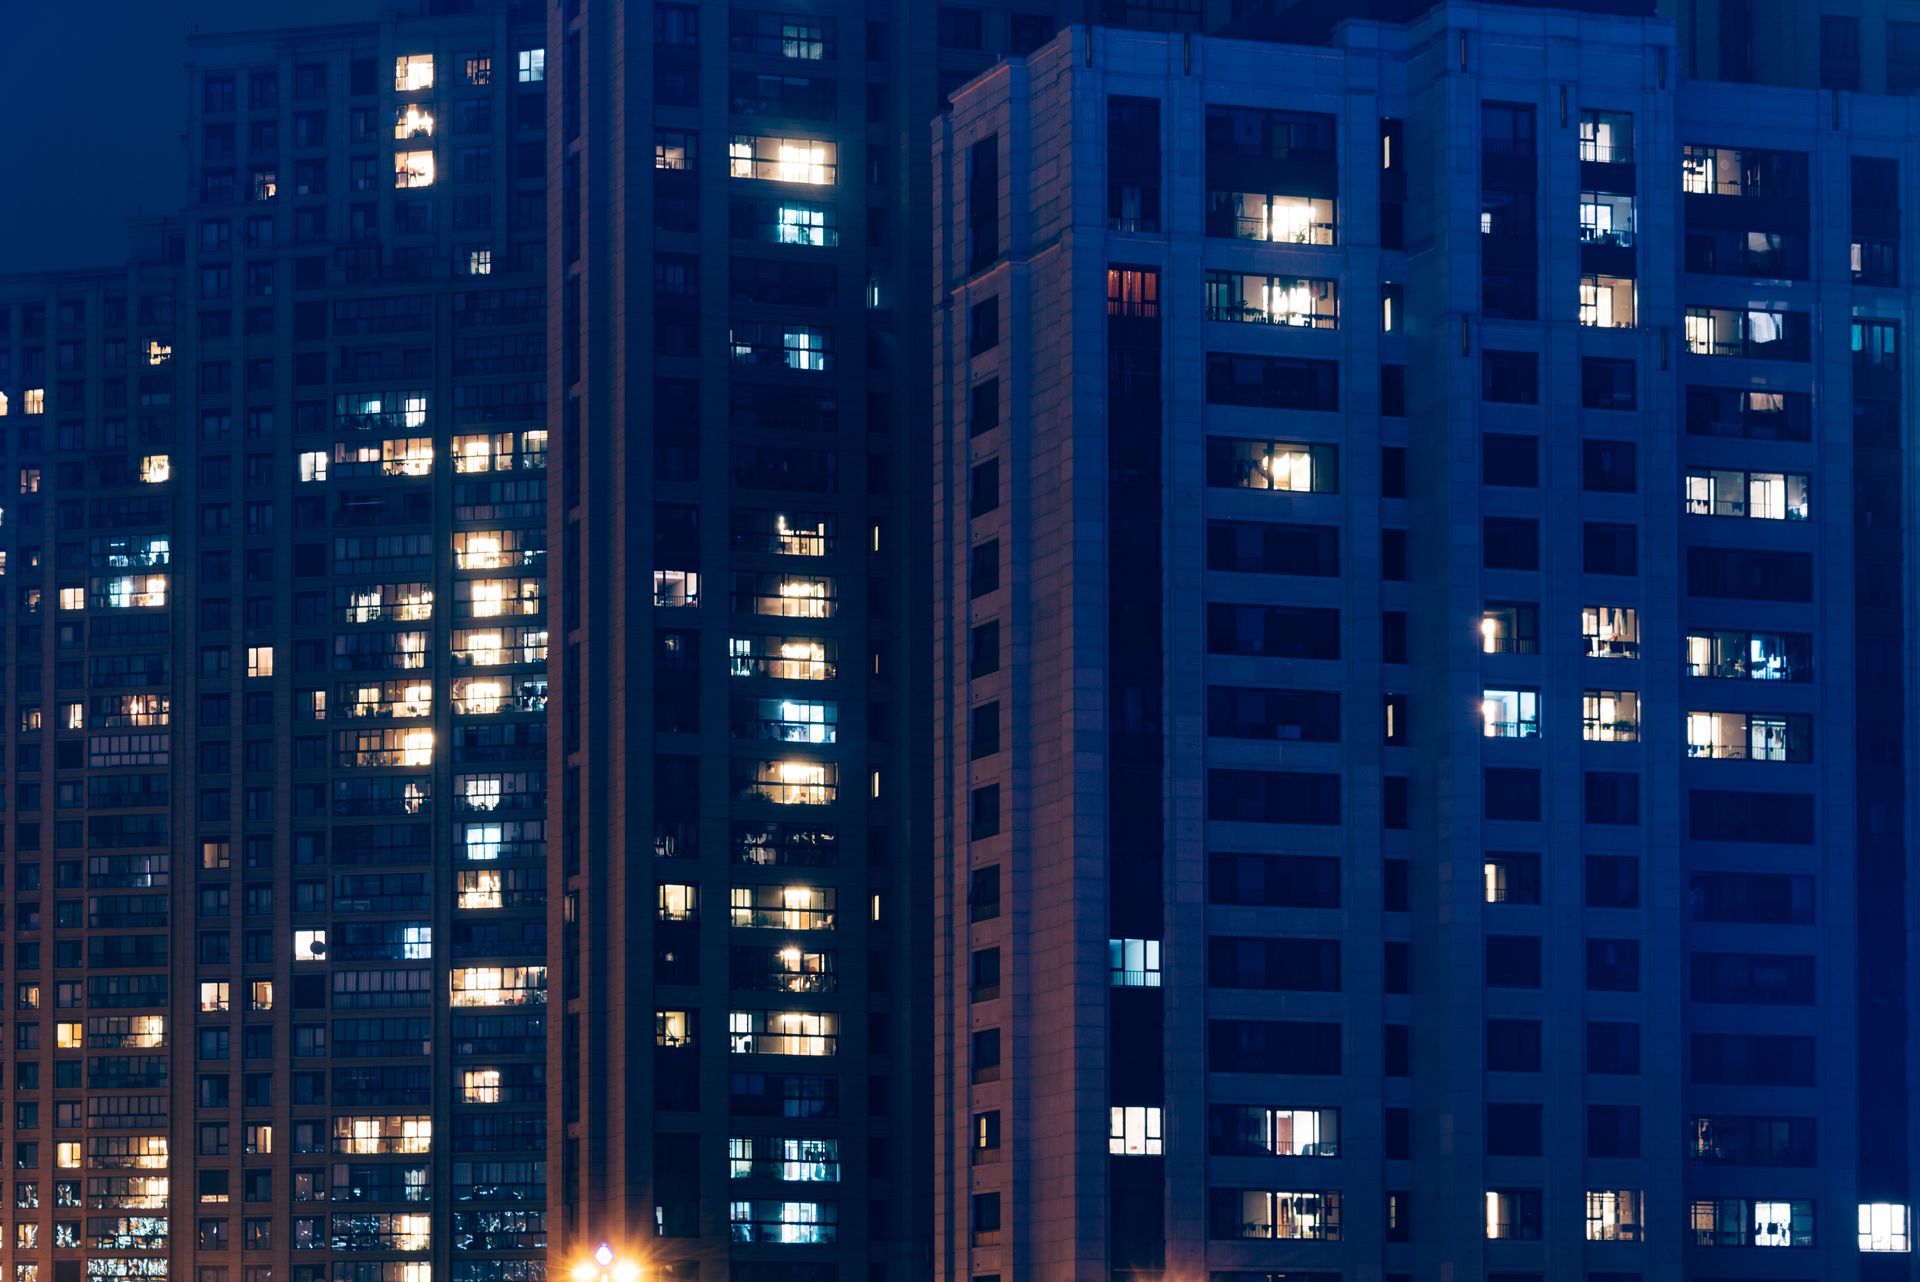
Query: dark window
[1133, 164]
[1512, 792]
[1254, 547]
[1839, 52]
[1264, 712]
[1613, 1130]
[1393, 636]
[1513, 1045]
[1393, 471]
[1750, 574]
[983, 649]
[1272, 382]
[1612, 797]
[983, 326]
[1607, 383]
[983, 488]
[1274, 881]
[984, 568]
[1777, 817]
[1510, 543]
[1613, 881]
[1903, 57]
[1752, 1059]
[1273, 1046]
[1513, 961]
[1752, 979]
[1765, 898]
[1273, 796]
[983, 203]
[1509, 460]
[983, 812]
[1393, 391]
[1609, 548]
[1513, 1130]
[1608, 467]
[1613, 1048]
[984, 736]
[1293, 965]
[1273, 631]
[1510, 378]
[1613, 965]
[983, 406]
[960, 29]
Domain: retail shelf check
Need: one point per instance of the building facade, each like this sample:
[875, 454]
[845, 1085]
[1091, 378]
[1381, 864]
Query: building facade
[1421, 757]
[278, 685]
[739, 284]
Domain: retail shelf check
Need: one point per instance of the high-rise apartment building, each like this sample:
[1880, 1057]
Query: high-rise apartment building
[275, 557]
[1422, 702]
[739, 281]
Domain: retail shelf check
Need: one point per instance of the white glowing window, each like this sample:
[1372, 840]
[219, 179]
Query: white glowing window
[412, 72]
[793, 160]
[480, 1086]
[1134, 1132]
[412, 121]
[156, 469]
[533, 66]
[499, 986]
[1134, 963]
[309, 945]
[372, 1135]
[679, 902]
[73, 716]
[800, 225]
[672, 1028]
[480, 262]
[676, 589]
[1883, 1227]
[1616, 1215]
[313, 465]
[478, 888]
[413, 169]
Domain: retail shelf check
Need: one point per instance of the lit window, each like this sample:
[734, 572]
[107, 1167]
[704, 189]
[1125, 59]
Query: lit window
[1509, 628]
[36, 400]
[66, 1156]
[313, 465]
[1289, 1215]
[533, 66]
[1272, 465]
[762, 1032]
[3, 404]
[1764, 496]
[155, 469]
[676, 589]
[478, 888]
[266, 184]
[256, 1138]
[499, 986]
[479, 70]
[309, 945]
[1615, 1215]
[480, 1086]
[375, 1135]
[259, 660]
[1606, 302]
[479, 262]
[1611, 631]
[1883, 1227]
[412, 72]
[260, 995]
[1272, 300]
[1510, 714]
[1289, 220]
[73, 598]
[158, 353]
[413, 169]
[1606, 137]
[1134, 1132]
[1610, 716]
[73, 716]
[412, 121]
[672, 1029]
[67, 1037]
[813, 161]
[679, 902]
[1606, 218]
[1134, 963]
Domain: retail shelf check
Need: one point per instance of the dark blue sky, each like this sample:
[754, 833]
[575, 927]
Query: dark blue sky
[92, 104]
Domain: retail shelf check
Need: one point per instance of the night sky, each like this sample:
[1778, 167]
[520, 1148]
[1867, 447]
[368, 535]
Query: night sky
[92, 105]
